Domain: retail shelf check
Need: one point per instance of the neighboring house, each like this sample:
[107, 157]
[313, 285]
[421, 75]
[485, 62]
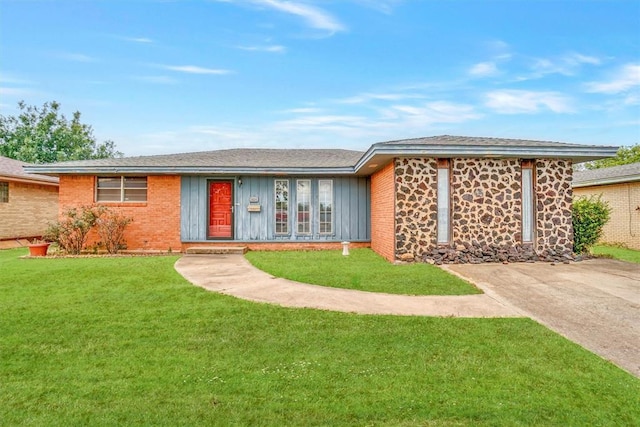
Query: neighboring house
[458, 198]
[620, 187]
[28, 202]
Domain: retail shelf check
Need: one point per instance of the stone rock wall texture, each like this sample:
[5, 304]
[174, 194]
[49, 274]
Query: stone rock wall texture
[486, 211]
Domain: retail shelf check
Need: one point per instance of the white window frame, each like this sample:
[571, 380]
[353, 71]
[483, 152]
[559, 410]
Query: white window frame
[284, 225]
[304, 197]
[444, 203]
[528, 203]
[123, 190]
[323, 213]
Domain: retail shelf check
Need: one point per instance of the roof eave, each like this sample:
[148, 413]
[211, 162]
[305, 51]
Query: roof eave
[607, 181]
[186, 170]
[576, 154]
[28, 180]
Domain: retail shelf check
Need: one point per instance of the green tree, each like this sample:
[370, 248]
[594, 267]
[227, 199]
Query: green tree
[44, 135]
[624, 156]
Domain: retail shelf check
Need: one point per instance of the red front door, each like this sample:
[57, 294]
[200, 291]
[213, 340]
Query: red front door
[220, 209]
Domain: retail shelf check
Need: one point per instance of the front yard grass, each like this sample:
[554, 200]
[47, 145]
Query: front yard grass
[363, 270]
[127, 341]
[617, 252]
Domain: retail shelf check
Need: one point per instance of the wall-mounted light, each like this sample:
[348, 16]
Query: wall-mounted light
[240, 182]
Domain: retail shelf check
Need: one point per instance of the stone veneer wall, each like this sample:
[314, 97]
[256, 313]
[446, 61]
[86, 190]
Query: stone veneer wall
[486, 216]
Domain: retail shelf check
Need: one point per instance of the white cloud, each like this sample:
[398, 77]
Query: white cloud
[138, 39]
[156, 79]
[484, 69]
[268, 48]
[566, 65]
[368, 97]
[628, 77]
[76, 57]
[526, 102]
[315, 17]
[194, 69]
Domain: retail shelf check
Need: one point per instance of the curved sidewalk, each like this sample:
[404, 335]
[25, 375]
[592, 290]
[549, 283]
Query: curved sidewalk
[234, 275]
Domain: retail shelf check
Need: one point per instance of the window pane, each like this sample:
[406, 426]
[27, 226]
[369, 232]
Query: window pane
[282, 206]
[325, 196]
[443, 205]
[135, 195]
[135, 182]
[108, 195]
[4, 192]
[109, 182]
[303, 194]
[527, 205]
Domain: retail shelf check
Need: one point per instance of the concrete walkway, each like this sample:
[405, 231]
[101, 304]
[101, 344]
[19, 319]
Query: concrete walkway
[234, 275]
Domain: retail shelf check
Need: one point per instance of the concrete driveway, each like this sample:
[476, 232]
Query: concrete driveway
[595, 303]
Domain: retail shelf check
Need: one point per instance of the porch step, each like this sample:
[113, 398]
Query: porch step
[216, 250]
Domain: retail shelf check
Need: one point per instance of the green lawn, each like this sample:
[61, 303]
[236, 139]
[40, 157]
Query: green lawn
[363, 270]
[127, 341]
[616, 252]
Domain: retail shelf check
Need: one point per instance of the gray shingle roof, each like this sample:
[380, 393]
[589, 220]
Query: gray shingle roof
[472, 141]
[11, 168]
[326, 161]
[235, 158]
[611, 175]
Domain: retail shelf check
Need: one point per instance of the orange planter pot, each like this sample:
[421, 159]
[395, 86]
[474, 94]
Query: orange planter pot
[38, 249]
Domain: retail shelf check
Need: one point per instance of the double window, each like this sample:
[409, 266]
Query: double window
[4, 192]
[121, 189]
[310, 196]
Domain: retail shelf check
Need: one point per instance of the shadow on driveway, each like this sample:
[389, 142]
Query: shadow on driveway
[595, 303]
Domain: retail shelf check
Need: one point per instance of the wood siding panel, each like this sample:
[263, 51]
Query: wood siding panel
[351, 198]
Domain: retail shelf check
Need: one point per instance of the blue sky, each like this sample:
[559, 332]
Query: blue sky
[172, 76]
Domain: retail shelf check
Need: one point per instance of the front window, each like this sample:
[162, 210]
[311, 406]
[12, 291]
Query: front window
[325, 195]
[528, 227]
[444, 203]
[282, 206]
[121, 189]
[4, 192]
[303, 195]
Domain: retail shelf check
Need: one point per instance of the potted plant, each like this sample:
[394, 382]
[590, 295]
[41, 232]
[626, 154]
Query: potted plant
[38, 247]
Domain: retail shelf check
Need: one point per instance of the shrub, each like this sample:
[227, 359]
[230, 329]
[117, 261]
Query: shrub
[70, 233]
[589, 216]
[111, 227]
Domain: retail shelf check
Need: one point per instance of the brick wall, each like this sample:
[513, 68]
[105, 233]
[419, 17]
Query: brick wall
[383, 212]
[624, 200]
[29, 210]
[156, 223]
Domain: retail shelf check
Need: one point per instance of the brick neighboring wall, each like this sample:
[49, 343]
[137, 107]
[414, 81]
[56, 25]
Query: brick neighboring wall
[30, 209]
[624, 223]
[383, 211]
[156, 223]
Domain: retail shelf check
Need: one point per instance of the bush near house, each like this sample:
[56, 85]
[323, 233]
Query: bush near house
[590, 214]
[72, 231]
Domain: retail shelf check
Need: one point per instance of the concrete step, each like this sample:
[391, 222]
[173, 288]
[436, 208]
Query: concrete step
[216, 250]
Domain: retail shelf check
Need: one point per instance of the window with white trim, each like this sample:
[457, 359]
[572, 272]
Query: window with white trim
[325, 199]
[444, 202]
[121, 189]
[303, 206]
[4, 192]
[282, 206]
[528, 223]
